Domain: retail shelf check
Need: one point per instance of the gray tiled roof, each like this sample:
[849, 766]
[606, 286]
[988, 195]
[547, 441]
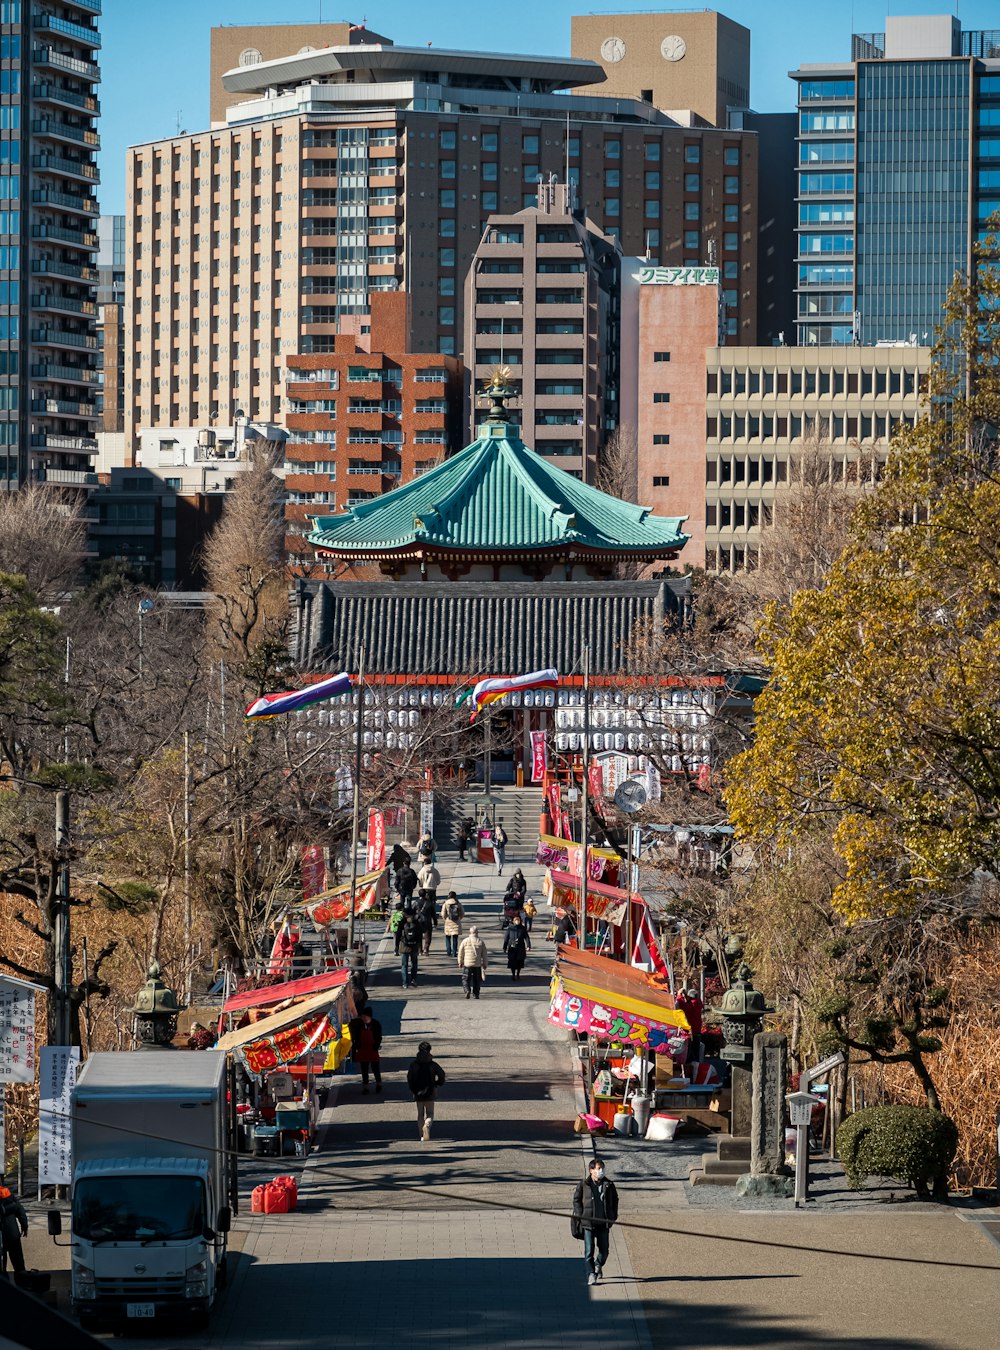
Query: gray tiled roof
[472, 628]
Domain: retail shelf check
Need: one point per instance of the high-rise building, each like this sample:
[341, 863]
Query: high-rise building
[541, 299]
[48, 142]
[111, 322]
[899, 168]
[357, 169]
[697, 62]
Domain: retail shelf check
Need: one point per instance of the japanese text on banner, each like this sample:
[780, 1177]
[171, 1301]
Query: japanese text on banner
[17, 1033]
[57, 1078]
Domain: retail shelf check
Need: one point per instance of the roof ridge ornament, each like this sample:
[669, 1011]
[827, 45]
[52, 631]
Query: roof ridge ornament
[497, 390]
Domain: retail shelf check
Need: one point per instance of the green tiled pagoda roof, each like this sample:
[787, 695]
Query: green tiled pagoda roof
[497, 496]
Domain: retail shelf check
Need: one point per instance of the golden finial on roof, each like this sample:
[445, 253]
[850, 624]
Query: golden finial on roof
[497, 389]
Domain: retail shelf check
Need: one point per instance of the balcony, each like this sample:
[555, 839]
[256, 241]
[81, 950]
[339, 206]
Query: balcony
[93, 5]
[44, 197]
[61, 407]
[72, 65]
[53, 129]
[66, 98]
[77, 31]
[66, 477]
[62, 304]
[63, 337]
[84, 240]
[47, 440]
[65, 374]
[72, 168]
[60, 269]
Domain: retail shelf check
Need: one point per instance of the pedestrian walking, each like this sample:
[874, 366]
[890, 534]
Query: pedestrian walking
[472, 962]
[517, 889]
[399, 858]
[427, 847]
[365, 1032]
[408, 936]
[406, 883]
[423, 1078]
[693, 1009]
[499, 846]
[595, 1209]
[429, 879]
[465, 831]
[453, 914]
[13, 1226]
[516, 943]
[427, 917]
[530, 910]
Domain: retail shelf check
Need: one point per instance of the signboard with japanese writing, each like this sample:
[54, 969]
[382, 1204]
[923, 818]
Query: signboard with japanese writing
[332, 906]
[56, 1080]
[427, 813]
[17, 1031]
[678, 276]
[3, 1128]
[375, 858]
[614, 1024]
[538, 757]
[285, 1047]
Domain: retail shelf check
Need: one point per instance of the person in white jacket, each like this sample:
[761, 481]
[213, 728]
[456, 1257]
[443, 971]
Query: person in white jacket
[472, 962]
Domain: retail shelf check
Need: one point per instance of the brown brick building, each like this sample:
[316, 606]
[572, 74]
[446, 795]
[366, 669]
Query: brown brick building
[364, 418]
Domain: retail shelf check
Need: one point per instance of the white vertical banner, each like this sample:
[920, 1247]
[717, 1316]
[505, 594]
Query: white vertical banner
[17, 1031]
[56, 1080]
[427, 813]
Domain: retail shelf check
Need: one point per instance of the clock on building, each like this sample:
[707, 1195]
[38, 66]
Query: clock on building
[672, 48]
[612, 49]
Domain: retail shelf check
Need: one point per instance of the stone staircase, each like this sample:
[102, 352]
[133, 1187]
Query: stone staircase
[518, 808]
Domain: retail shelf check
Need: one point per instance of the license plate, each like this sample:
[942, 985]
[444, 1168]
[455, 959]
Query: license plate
[140, 1309]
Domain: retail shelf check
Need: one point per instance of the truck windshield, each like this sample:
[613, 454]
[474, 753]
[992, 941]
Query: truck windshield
[129, 1209]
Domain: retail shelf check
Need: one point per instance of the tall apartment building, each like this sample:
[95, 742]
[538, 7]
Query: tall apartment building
[364, 168]
[542, 298]
[720, 429]
[48, 141]
[899, 168]
[699, 62]
[364, 418]
[111, 322]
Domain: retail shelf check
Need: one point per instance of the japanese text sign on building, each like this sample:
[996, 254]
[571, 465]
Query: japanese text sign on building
[17, 1032]
[57, 1078]
[678, 276]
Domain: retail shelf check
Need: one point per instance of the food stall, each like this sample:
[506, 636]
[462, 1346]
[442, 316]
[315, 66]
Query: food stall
[281, 1043]
[623, 1013]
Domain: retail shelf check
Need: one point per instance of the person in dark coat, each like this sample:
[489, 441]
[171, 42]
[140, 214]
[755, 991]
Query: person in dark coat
[595, 1209]
[13, 1226]
[465, 831]
[427, 917]
[408, 938]
[516, 943]
[399, 858]
[423, 1078]
[365, 1032]
[517, 889]
[406, 883]
[565, 928]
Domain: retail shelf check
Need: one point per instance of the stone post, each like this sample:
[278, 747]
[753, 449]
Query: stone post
[768, 1174]
[740, 1109]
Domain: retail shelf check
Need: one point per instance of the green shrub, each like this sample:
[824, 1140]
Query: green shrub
[912, 1143]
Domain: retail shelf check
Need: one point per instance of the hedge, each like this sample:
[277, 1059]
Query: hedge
[912, 1143]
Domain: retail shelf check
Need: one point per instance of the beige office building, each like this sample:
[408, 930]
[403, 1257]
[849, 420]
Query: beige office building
[697, 62]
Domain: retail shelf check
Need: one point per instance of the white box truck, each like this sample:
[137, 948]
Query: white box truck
[151, 1186]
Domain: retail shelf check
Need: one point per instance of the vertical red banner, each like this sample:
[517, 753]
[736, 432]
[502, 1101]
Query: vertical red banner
[376, 841]
[595, 780]
[555, 805]
[539, 759]
[313, 870]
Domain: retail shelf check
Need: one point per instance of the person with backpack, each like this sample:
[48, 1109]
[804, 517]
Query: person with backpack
[408, 936]
[365, 1032]
[472, 962]
[429, 879]
[426, 911]
[595, 1209]
[453, 914]
[406, 883]
[499, 837]
[423, 1078]
[13, 1226]
[516, 943]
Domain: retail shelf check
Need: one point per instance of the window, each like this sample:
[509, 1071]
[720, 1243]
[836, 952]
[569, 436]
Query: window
[550, 387]
[692, 154]
[730, 270]
[661, 356]
[661, 480]
[653, 152]
[489, 171]
[446, 257]
[692, 240]
[661, 397]
[612, 206]
[661, 438]
[730, 241]
[652, 180]
[651, 209]
[530, 173]
[446, 197]
[731, 155]
[612, 149]
[529, 144]
[489, 140]
[731, 213]
[731, 183]
[692, 211]
[612, 178]
[489, 201]
[447, 168]
[446, 285]
[447, 140]
[446, 316]
[692, 182]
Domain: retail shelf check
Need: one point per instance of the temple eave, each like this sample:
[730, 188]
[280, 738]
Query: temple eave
[554, 554]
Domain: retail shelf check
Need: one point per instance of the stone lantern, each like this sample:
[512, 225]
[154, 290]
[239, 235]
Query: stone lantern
[742, 1011]
[155, 1013]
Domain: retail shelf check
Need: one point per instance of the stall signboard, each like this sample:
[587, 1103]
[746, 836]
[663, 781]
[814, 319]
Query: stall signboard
[539, 759]
[603, 902]
[17, 1031]
[286, 1046]
[553, 851]
[313, 871]
[590, 1017]
[375, 860]
[332, 906]
[56, 1080]
[597, 863]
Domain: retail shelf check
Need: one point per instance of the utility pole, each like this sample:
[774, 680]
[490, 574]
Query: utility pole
[60, 927]
[584, 837]
[187, 865]
[356, 822]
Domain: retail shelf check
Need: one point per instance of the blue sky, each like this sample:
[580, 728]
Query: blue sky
[155, 57]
